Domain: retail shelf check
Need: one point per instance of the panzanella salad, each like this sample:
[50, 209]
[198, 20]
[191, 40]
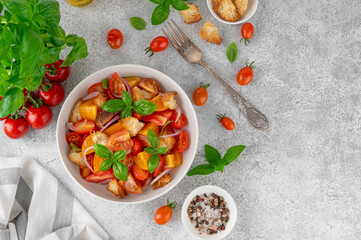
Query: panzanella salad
[127, 133]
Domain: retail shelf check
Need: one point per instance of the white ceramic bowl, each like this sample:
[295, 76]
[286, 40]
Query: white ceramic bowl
[231, 206]
[251, 9]
[128, 70]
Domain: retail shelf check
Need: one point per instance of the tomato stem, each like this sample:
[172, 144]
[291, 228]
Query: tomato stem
[251, 65]
[204, 85]
[147, 50]
[172, 205]
[220, 116]
[52, 70]
[46, 86]
[246, 41]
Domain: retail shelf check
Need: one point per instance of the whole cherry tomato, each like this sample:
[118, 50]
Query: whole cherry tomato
[226, 122]
[52, 94]
[247, 32]
[115, 38]
[181, 122]
[200, 95]
[158, 44]
[164, 214]
[38, 116]
[16, 128]
[57, 73]
[245, 75]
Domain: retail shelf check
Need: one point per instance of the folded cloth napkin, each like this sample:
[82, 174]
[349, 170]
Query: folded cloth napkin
[40, 206]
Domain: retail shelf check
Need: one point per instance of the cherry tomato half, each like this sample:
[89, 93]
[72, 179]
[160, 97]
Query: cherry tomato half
[131, 185]
[137, 148]
[226, 122]
[115, 38]
[139, 173]
[38, 117]
[245, 75]
[56, 73]
[16, 128]
[116, 86]
[181, 122]
[83, 126]
[52, 94]
[158, 44]
[182, 142]
[120, 141]
[96, 87]
[75, 138]
[200, 95]
[160, 166]
[164, 214]
[247, 32]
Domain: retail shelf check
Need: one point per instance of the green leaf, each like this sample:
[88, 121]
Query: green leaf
[1, 7]
[57, 36]
[212, 155]
[232, 52]
[31, 48]
[160, 13]
[4, 75]
[71, 40]
[106, 165]
[5, 42]
[162, 150]
[105, 83]
[12, 101]
[203, 169]
[157, 1]
[232, 154]
[179, 5]
[49, 55]
[120, 171]
[119, 155]
[22, 9]
[126, 112]
[126, 98]
[114, 105]
[138, 23]
[102, 151]
[144, 107]
[49, 9]
[153, 138]
[75, 147]
[79, 51]
[168, 122]
[153, 163]
[36, 79]
[150, 150]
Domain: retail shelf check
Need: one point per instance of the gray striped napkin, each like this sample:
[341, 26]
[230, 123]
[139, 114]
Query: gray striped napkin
[40, 206]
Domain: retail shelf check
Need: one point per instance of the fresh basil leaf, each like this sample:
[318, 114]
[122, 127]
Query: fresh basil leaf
[105, 83]
[168, 122]
[150, 150]
[232, 154]
[36, 79]
[22, 9]
[160, 13]
[126, 112]
[12, 101]
[219, 167]
[138, 23]
[31, 48]
[57, 35]
[152, 138]
[119, 155]
[120, 171]
[144, 107]
[71, 40]
[232, 52]
[106, 164]
[212, 155]
[75, 147]
[203, 169]
[49, 55]
[102, 151]
[126, 98]
[153, 163]
[79, 51]
[114, 105]
[8, 16]
[1, 7]
[49, 9]
[5, 42]
[157, 1]
[4, 75]
[179, 5]
[162, 150]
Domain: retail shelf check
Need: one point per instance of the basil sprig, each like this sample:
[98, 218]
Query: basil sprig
[155, 150]
[142, 107]
[138, 23]
[232, 52]
[161, 12]
[120, 170]
[215, 160]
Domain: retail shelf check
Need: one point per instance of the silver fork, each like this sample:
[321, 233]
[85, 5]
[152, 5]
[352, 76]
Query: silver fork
[192, 54]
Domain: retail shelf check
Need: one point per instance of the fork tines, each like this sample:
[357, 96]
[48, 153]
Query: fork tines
[179, 42]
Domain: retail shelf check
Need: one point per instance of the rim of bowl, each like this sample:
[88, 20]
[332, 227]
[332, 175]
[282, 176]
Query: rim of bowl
[231, 205]
[241, 20]
[57, 134]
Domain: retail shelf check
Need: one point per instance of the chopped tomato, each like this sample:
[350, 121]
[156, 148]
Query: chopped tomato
[75, 138]
[128, 161]
[181, 122]
[116, 86]
[159, 118]
[90, 160]
[131, 185]
[83, 126]
[139, 173]
[87, 143]
[145, 182]
[110, 95]
[160, 166]
[136, 115]
[100, 176]
[182, 142]
[120, 141]
[137, 148]
[96, 87]
[83, 138]
[85, 172]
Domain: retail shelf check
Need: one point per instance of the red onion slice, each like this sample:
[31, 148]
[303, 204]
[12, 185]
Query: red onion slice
[128, 151]
[70, 126]
[91, 95]
[129, 90]
[110, 122]
[160, 175]
[176, 133]
[85, 160]
[178, 113]
[105, 182]
[143, 138]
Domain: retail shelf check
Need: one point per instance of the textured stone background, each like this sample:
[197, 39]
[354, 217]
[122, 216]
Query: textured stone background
[301, 179]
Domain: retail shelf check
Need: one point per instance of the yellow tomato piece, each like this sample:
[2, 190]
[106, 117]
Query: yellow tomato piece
[97, 162]
[114, 128]
[148, 126]
[173, 160]
[133, 81]
[157, 100]
[88, 142]
[88, 110]
[142, 159]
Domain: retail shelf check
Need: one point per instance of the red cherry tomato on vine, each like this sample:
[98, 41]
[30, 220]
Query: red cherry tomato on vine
[245, 75]
[16, 128]
[56, 73]
[164, 214]
[247, 32]
[38, 116]
[226, 122]
[115, 38]
[200, 95]
[158, 44]
[52, 94]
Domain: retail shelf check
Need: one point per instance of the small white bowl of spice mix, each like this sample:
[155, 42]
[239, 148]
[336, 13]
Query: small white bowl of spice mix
[209, 212]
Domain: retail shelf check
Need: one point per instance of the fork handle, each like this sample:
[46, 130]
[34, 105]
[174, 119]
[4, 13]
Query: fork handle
[255, 117]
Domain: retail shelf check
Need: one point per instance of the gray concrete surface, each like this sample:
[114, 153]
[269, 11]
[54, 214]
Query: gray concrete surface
[301, 179]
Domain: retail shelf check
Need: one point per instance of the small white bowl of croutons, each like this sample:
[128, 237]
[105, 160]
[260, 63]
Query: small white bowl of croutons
[232, 11]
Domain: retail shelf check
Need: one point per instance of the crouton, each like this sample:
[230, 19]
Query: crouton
[114, 187]
[75, 114]
[169, 101]
[100, 99]
[191, 15]
[161, 182]
[227, 10]
[99, 138]
[210, 33]
[216, 2]
[123, 193]
[241, 6]
[132, 124]
[76, 157]
[167, 142]
[103, 117]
